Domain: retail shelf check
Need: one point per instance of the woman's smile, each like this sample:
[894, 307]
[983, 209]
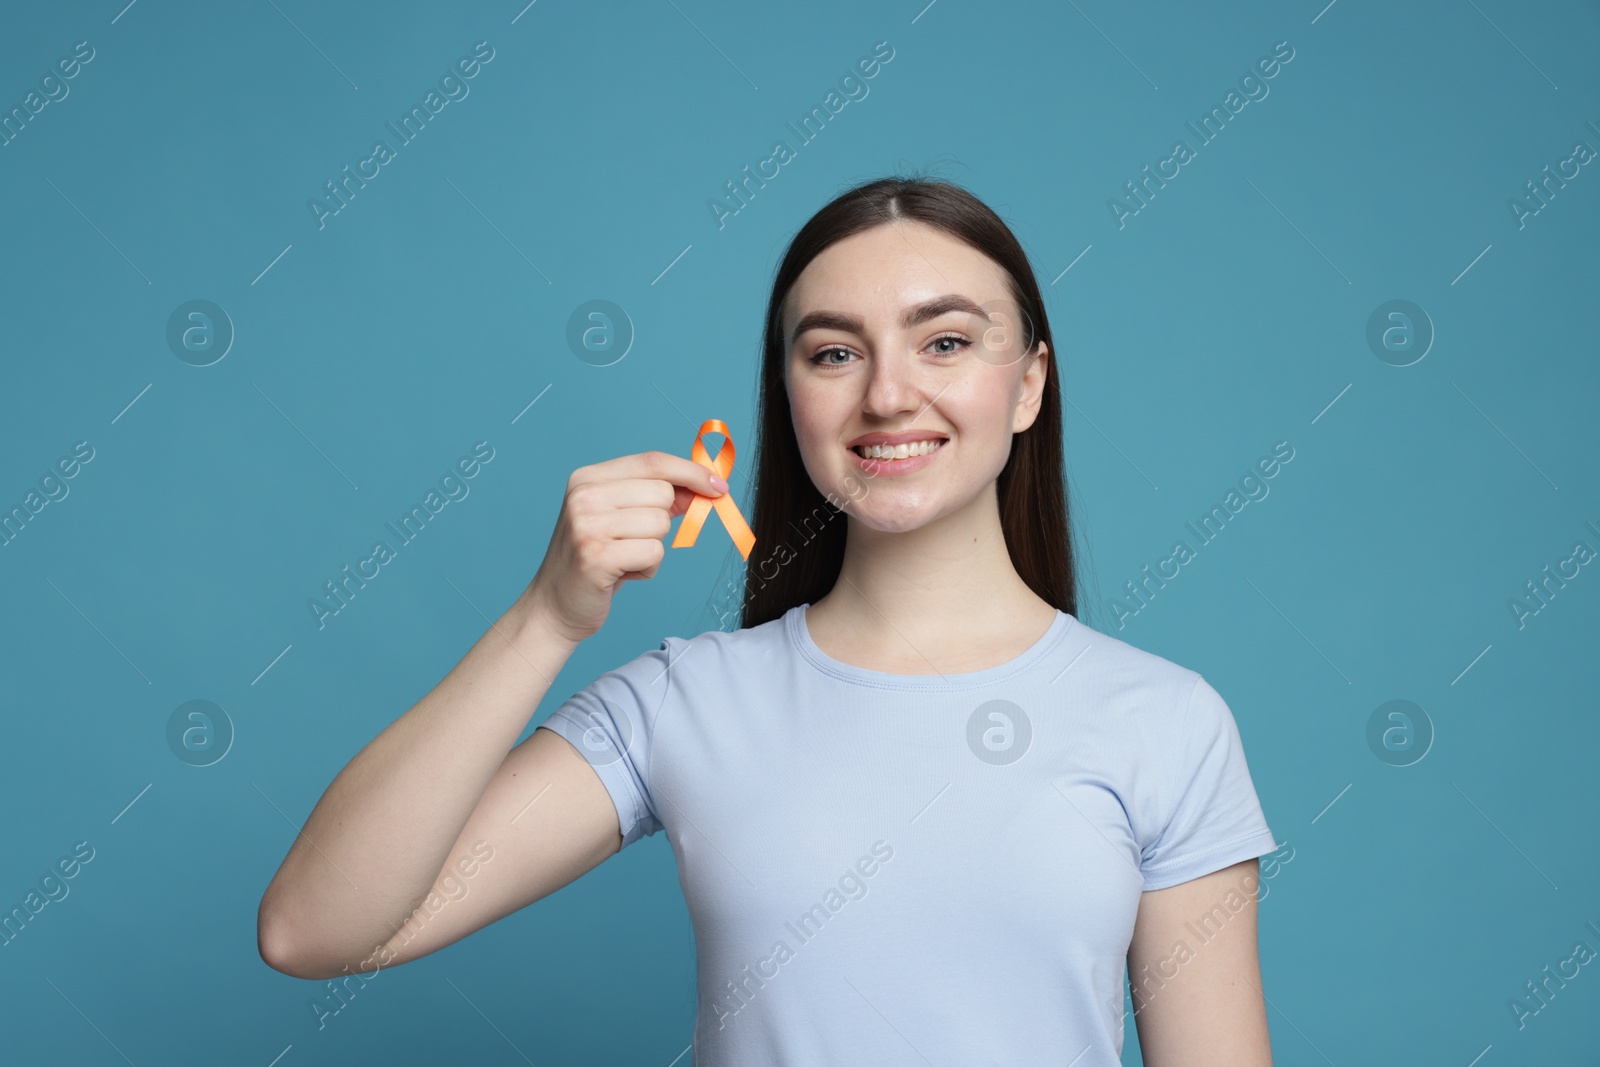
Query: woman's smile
[890, 460]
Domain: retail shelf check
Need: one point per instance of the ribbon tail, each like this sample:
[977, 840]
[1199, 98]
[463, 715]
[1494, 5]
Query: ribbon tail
[737, 528]
[693, 519]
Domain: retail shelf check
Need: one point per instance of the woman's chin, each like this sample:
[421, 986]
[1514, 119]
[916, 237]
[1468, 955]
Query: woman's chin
[892, 521]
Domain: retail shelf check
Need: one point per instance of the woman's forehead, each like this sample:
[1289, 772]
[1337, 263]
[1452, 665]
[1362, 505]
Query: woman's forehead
[877, 285]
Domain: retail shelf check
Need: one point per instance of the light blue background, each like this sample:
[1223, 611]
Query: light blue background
[1229, 314]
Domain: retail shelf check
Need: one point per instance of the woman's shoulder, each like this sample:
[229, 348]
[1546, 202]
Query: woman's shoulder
[762, 639]
[1128, 664]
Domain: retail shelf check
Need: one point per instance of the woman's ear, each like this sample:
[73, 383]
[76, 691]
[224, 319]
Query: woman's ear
[1034, 377]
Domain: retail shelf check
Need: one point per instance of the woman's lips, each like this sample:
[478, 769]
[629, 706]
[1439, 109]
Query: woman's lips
[891, 467]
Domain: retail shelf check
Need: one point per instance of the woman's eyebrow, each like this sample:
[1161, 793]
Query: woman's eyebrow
[914, 315]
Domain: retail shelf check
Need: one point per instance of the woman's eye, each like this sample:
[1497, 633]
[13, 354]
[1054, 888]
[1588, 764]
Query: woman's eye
[822, 356]
[960, 342]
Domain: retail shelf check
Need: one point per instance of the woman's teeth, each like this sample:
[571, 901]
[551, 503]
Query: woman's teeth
[902, 451]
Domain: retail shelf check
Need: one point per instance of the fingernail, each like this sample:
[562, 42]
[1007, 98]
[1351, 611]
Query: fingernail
[718, 484]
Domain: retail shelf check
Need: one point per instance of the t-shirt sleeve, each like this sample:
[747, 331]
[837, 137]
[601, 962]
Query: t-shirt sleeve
[1213, 817]
[611, 722]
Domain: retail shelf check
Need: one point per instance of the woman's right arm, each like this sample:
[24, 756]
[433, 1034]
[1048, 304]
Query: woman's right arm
[441, 792]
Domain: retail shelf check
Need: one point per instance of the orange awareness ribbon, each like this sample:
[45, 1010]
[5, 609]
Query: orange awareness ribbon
[701, 506]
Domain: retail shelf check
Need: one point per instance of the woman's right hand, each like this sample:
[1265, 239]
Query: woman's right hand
[612, 528]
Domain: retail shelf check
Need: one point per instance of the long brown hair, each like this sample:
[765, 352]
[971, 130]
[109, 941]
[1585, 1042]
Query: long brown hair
[800, 535]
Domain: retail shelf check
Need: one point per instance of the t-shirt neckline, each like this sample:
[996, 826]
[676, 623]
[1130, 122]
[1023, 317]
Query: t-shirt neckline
[800, 635]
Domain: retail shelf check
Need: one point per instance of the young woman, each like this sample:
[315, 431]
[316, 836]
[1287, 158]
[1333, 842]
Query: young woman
[920, 812]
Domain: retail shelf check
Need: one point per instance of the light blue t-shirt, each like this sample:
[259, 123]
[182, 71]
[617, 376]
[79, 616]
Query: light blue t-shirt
[911, 869]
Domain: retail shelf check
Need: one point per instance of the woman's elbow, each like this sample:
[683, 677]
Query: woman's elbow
[278, 944]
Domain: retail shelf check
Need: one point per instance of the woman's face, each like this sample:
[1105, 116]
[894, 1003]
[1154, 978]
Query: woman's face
[904, 328]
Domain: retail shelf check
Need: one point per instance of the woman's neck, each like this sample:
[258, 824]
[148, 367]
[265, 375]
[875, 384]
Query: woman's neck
[943, 598]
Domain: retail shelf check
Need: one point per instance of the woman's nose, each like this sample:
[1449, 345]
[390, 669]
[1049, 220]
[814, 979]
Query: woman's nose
[894, 386]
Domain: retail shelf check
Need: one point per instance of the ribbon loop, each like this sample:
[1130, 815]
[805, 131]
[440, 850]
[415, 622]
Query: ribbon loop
[701, 506]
